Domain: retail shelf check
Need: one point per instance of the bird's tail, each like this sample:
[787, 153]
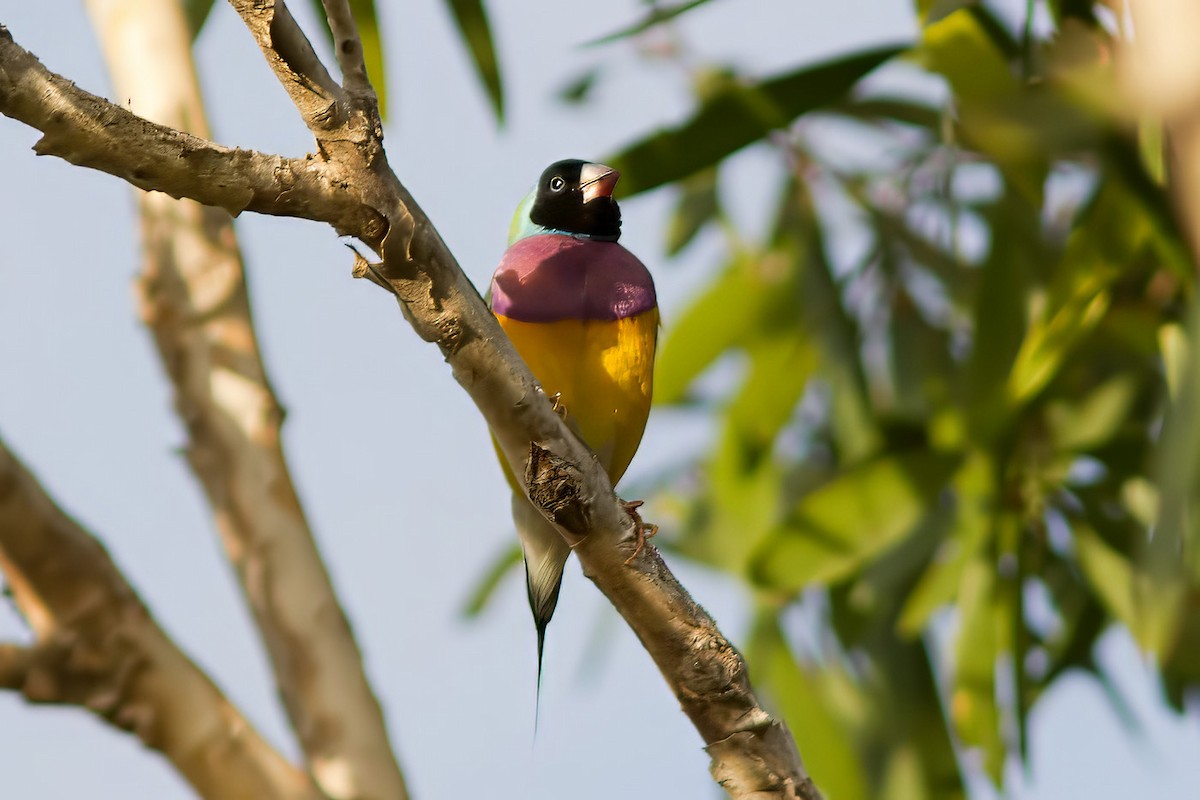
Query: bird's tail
[545, 555]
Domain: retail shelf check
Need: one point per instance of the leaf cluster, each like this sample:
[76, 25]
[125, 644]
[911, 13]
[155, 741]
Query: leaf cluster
[952, 388]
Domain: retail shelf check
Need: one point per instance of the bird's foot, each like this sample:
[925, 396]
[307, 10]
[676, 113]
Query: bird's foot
[644, 530]
[557, 405]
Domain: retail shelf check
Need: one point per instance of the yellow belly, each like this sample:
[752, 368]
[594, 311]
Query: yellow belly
[602, 370]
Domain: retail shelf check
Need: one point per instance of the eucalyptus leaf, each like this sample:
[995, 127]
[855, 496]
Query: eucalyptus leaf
[504, 563]
[973, 707]
[470, 16]
[197, 12]
[739, 115]
[835, 529]
[826, 741]
[657, 15]
[697, 206]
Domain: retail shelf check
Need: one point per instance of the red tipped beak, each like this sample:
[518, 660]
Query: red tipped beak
[597, 180]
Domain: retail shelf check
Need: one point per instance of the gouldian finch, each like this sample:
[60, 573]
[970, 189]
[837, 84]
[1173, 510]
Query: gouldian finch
[582, 312]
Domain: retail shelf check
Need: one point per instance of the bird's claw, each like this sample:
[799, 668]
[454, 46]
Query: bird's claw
[644, 530]
[557, 405]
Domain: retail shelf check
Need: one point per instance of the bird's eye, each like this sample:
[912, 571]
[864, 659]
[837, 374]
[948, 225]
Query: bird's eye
[557, 184]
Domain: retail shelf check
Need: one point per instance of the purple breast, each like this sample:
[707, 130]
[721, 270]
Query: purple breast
[552, 277]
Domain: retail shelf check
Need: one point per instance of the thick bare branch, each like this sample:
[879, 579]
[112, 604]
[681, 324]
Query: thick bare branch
[91, 132]
[97, 647]
[753, 754]
[193, 298]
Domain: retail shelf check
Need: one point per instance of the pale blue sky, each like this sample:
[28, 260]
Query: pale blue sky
[391, 459]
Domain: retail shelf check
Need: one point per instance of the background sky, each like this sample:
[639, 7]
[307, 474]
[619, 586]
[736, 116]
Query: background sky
[391, 459]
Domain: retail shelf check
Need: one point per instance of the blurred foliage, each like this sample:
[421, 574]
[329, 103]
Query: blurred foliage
[471, 18]
[939, 382]
[955, 385]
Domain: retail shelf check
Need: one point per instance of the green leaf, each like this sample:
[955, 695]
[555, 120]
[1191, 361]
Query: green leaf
[658, 15]
[697, 206]
[958, 47]
[737, 508]
[897, 109]
[1181, 670]
[919, 362]
[1178, 470]
[497, 570]
[1001, 307]
[1050, 337]
[736, 116]
[973, 707]
[827, 745]
[1106, 239]
[1107, 572]
[995, 112]
[578, 89]
[931, 11]
[918, 762]
[780, 367]
[472, 20]
[724, 316]
[974, 505]
[1168, 560]
[1083, 424]
[835, 529]
[196, 12]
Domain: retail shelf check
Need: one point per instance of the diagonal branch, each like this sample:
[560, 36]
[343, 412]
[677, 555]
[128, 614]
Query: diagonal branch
[193, 298]
[97, 647]
[753, 754]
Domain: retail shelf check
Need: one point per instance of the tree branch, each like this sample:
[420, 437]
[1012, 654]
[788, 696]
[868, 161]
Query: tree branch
[89, 131]
[753, 753]
[193, 298]
[97, 647]
[346, 123]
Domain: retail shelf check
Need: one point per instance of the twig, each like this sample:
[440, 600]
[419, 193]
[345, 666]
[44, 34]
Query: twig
[347, 45]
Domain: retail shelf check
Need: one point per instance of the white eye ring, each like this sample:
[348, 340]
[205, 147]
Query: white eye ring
[557, 184]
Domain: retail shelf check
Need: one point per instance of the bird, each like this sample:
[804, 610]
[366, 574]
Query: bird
[582, 312]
